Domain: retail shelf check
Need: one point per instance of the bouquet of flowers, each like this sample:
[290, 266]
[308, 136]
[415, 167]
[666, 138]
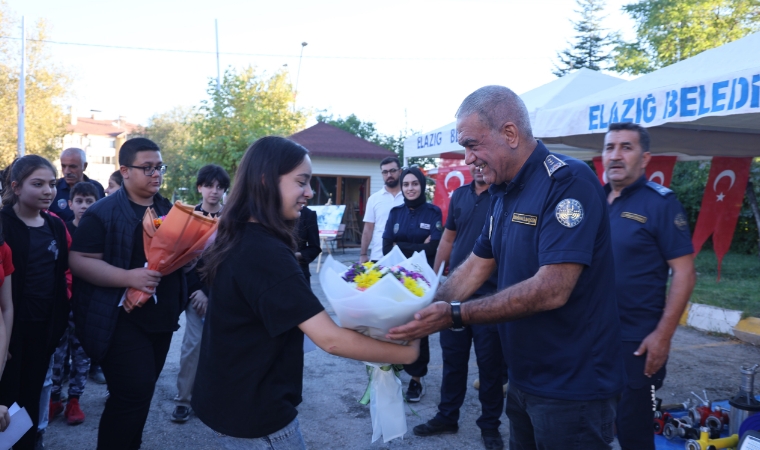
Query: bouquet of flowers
[372, 299]
[170, 242]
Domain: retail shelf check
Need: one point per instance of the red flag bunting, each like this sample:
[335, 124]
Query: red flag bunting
[447, 181]
[600, 170]
[721, 204]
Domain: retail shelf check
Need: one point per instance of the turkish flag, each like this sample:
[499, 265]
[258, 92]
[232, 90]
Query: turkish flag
[659, 169]
[447, 181]
[721, 204]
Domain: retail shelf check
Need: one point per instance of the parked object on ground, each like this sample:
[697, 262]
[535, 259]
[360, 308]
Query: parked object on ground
[744, 404]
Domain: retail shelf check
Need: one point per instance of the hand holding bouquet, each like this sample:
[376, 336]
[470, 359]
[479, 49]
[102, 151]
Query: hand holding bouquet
[372, 299]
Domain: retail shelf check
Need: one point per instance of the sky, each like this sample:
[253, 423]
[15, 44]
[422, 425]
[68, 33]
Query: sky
[404, 65]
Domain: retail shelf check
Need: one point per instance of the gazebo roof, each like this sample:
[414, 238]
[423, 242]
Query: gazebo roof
[326, 140]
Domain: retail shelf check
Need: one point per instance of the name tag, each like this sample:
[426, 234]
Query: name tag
[632, 216]
[425, 226]
[525, 219]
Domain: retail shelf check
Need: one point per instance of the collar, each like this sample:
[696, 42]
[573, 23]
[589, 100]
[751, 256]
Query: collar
[534, 163]
[628, 190]
[386, 191]
[475, 192]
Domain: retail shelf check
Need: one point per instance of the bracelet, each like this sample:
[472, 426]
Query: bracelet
[456, 317]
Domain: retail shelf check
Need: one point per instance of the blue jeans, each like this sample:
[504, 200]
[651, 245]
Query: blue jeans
[288, 438]
[537, 423]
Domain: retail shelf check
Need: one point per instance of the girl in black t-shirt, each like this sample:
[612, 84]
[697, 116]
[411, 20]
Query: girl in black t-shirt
[40, 301]
[250, 372]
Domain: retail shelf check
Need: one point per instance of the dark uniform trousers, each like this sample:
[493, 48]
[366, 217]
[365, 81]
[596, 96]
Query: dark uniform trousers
[455, 346]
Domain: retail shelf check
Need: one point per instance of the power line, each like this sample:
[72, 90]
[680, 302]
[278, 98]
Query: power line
[266, 55]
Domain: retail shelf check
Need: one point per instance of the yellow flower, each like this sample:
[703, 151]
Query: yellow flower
[368, 264]
[411, 284]
[367, 279]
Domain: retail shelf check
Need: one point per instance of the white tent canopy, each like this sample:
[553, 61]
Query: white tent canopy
[571, 87]
[706, 105]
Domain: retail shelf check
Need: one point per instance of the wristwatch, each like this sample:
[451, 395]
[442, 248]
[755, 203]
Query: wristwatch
[456, 317]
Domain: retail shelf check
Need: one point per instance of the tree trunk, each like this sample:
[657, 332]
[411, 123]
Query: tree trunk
[755, 211]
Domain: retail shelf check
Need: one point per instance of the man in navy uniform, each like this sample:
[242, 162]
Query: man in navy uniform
[548, 236]
[650, 235]
[73, 165]
[468, 210]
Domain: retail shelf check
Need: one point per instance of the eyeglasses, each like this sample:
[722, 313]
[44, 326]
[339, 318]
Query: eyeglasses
[389, 172]
[149, 171]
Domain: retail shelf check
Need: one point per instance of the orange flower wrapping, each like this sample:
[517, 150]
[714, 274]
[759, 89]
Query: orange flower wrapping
[170, 243]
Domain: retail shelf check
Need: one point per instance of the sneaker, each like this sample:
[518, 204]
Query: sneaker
[55, 409]
[492, 440]
[181, 414]
[74, 414]
[435, 427]
[415, 391]
[97, 376]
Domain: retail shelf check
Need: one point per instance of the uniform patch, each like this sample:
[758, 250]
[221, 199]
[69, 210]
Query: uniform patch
[660, 189]
[569, 212]
[681, 222]
[632, 216]
[439, 226]
[62, 203]
[525, 219]
[425, 226]
[395, 228]
[552, 164]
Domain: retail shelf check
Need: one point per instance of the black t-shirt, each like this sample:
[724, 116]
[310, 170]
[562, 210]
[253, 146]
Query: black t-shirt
[71, 227]
[152, 317]
[39, 288]
[250, 371]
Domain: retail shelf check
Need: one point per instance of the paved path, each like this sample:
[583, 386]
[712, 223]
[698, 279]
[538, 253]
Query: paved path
[331, 418]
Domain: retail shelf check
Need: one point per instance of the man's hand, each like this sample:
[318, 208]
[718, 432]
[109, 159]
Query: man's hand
[427, 321]
[657, 348]
[199, 302]
[144, 279]
[363, 259]
[5, 418]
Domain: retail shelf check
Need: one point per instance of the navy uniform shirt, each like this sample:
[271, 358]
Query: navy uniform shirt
[467, 214]
[60, 205]
[649, 227]
[555, 211]
[413, 226]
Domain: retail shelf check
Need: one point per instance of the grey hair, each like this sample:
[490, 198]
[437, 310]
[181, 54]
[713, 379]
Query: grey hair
[497, 105]
[79, 151]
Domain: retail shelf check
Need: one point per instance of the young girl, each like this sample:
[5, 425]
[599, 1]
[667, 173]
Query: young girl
[250, 372]
[40, 302]
[114, 182]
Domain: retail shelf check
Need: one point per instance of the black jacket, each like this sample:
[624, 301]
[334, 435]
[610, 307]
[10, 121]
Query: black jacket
[16, 234]
[308, 239]
[95, 307]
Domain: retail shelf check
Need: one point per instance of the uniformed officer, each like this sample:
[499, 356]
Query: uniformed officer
[468, 210]
[548, 235]
[650, 235]
[73, 165]
[414, 226]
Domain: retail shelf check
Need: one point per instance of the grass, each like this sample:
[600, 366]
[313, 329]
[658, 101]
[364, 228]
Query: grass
[739, 285]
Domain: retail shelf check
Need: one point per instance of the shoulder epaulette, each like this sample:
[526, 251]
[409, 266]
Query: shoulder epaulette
[553, 164]
[660, 189]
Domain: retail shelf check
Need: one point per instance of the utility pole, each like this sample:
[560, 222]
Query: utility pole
[298, 75]
[22, 92]
[218, 72]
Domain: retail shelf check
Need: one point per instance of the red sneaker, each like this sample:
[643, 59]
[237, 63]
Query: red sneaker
[74, 414]
[55, 409]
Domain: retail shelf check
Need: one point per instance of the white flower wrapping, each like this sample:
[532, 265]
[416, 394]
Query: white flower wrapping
[373, 312]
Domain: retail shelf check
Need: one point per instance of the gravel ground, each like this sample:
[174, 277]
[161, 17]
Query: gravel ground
[331, 418]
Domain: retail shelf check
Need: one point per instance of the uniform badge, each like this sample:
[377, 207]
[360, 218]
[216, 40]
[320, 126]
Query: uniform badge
[632, 216]
[425, 226]
[395, 228]
[439, 226]
[525, 219]
[552, 163]
[569, 212]
[681, 222]
[62, 203]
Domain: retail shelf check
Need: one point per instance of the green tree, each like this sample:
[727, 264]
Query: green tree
[246, 107]
[174, 132]
[668, 31]
[590, 48]
[46, 91]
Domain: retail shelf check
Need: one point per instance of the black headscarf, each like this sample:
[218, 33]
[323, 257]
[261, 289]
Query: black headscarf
[423, 187]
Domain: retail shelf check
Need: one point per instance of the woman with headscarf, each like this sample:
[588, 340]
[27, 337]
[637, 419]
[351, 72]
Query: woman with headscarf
[414, 226]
